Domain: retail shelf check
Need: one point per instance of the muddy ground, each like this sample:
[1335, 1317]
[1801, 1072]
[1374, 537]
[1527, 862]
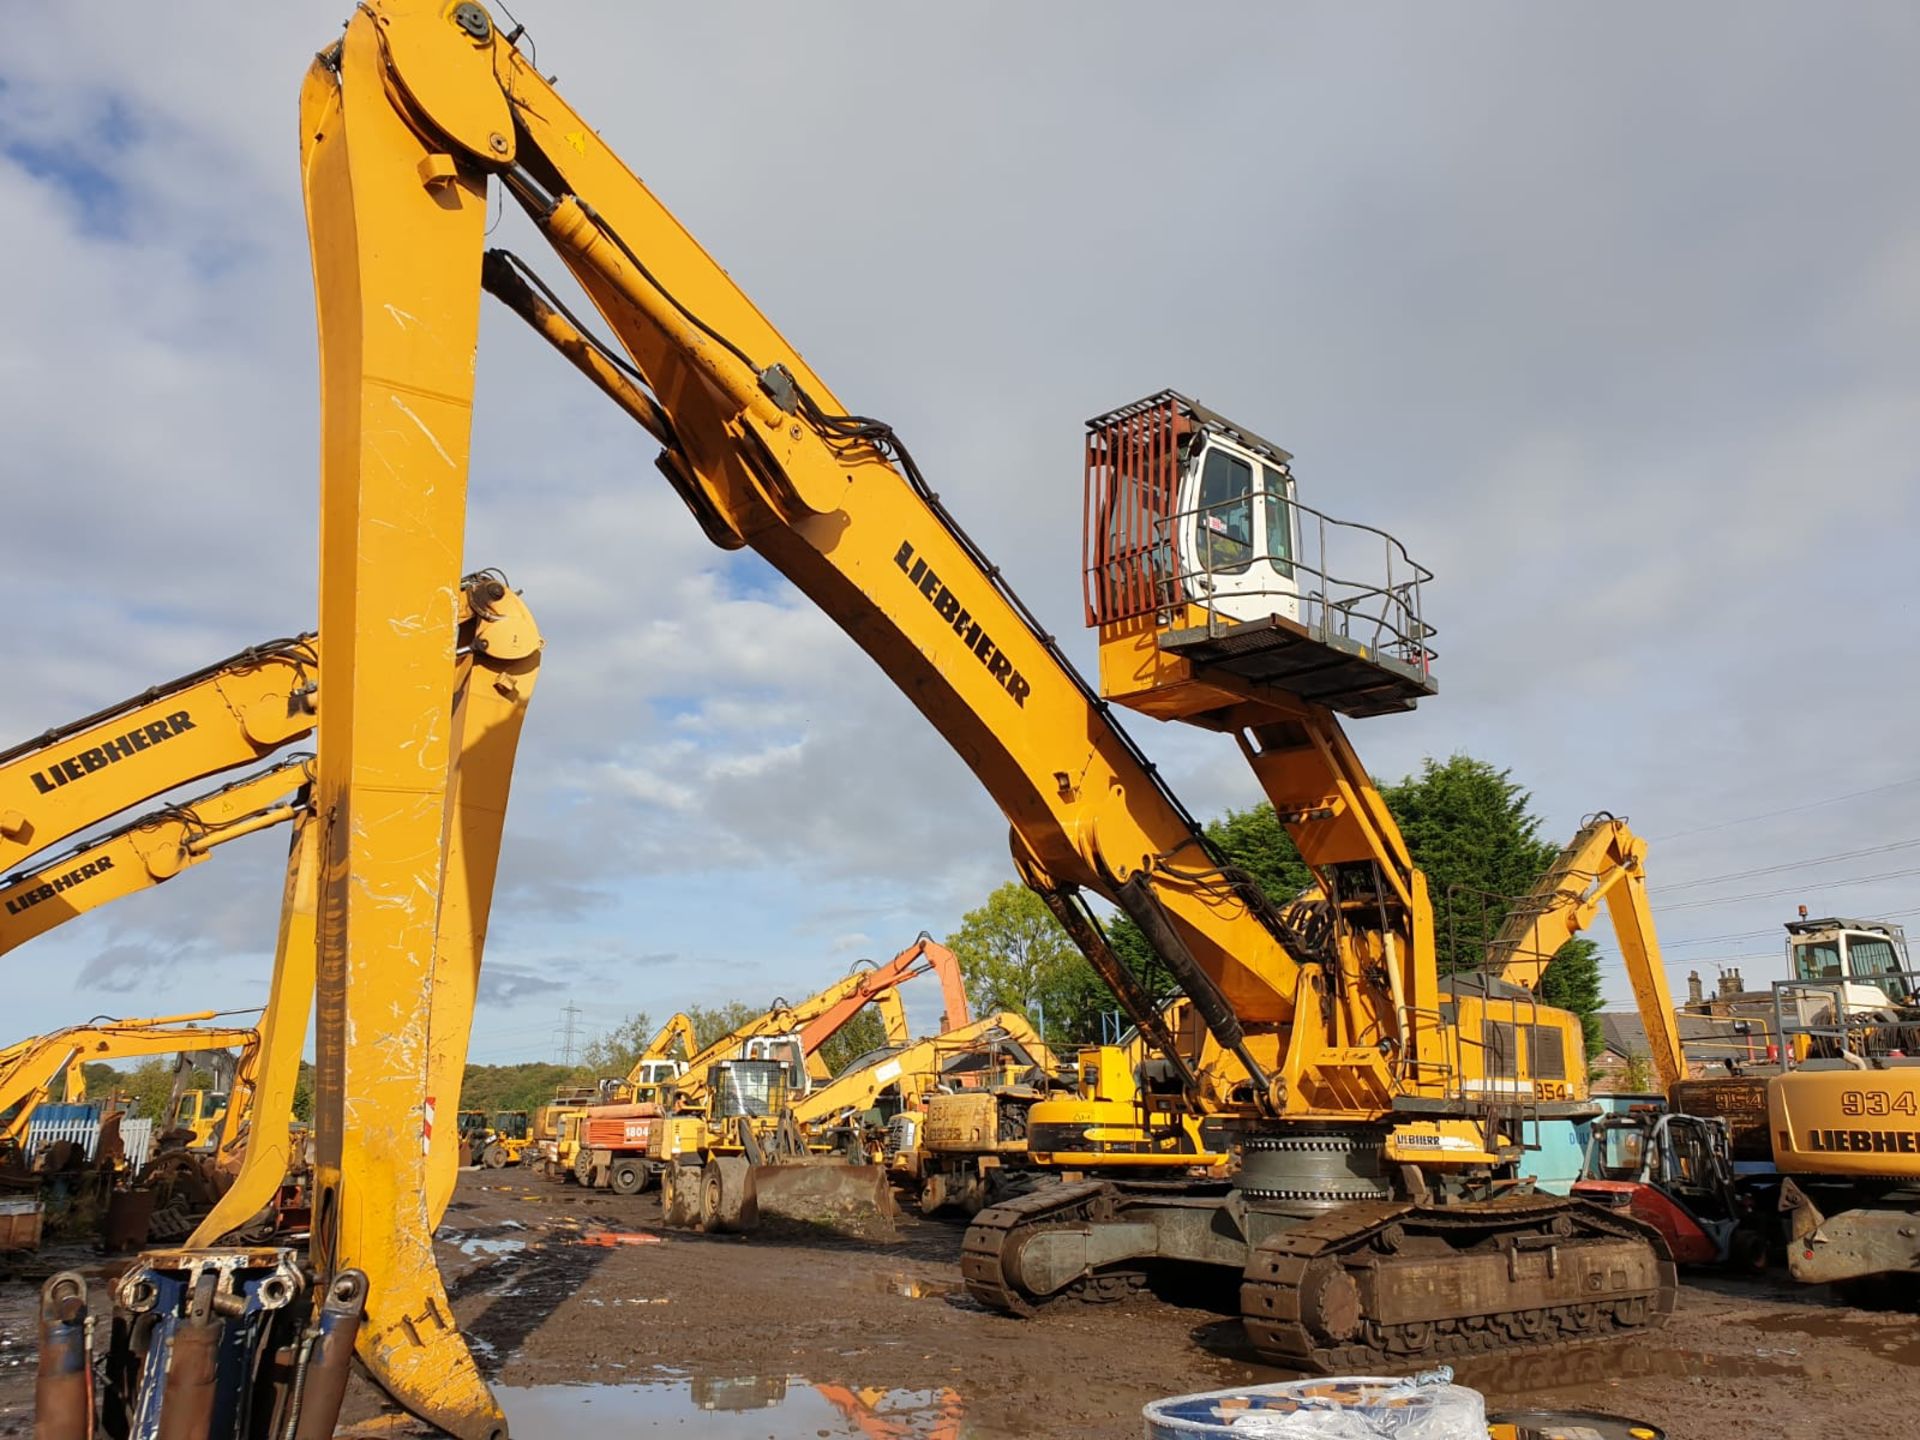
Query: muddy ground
[590, 1319]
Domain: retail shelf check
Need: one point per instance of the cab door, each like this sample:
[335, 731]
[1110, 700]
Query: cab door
[1238, 533]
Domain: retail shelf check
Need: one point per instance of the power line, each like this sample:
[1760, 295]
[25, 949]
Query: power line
[1838, 855]
[1788, 810]
[1795, 889]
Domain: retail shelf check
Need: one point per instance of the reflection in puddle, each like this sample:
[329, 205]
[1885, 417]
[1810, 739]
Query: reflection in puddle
[743, 1408]
[1505, 1379]
[475, 1245]
[915, 1287]
[1895, 1340]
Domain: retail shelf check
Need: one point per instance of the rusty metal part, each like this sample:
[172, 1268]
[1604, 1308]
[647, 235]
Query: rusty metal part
[1395, 1283]
[729, 1196]
[327, 1365]
[680, 1196]
[1360, 1285]
[129, 1218]
[63, 1384]
[1866, 1235]
[823, 1190]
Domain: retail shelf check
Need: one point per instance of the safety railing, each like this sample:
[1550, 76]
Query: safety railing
[1351, 582]
[1835, 1018]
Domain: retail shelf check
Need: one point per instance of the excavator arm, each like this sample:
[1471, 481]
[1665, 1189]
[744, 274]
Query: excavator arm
[880, 986]
[916, 1069]
[1605, 863]
[45, 1060]
[147, 852]
[404, 122]
[818, 1018]
[227, 715]
[677, 1032]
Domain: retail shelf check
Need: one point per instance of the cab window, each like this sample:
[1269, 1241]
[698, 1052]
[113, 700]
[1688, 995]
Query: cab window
[1621, 1150]
[1872, 958]
[1279, 519]
[1226, 513]
[1818, 960]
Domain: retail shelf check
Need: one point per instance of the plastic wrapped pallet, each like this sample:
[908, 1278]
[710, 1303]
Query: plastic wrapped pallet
[1428, 1406]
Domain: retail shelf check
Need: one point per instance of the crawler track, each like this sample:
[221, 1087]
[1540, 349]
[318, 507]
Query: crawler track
[1356, 1289]
[994, 1230]
[1375, 1285]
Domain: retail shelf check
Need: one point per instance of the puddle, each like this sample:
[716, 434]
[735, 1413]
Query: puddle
[915, 1287]
[1510, 1378]
[1896, 1341]
[481, 1245]
[750, 1407]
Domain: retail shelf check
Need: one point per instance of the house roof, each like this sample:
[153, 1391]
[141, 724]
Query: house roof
[1703, 1037]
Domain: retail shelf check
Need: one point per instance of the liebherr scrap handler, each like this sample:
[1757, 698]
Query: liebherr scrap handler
[1368, 1201]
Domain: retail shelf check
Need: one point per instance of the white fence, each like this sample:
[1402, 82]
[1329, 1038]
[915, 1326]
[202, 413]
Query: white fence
[136, 1137]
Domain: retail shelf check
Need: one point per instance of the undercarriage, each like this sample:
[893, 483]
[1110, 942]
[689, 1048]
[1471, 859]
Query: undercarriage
[1337, 1274]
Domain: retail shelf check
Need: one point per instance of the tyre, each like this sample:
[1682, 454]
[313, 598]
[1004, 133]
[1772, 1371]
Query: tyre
[583, 1167]
[628, 1177]
[680, 1197]
[494, 1157]
[933, 1194]
[727, 1202]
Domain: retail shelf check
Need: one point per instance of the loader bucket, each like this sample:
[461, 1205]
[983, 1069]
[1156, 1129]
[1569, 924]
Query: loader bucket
[829, 1193]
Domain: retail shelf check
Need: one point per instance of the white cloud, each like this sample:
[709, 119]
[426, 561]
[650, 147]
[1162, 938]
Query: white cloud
[1622, 344]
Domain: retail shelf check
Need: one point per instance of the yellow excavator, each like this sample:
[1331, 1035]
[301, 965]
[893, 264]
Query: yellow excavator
[748, 1078]
[148, 851]
[1827, 1130]
[556, 1126]
[44, 1061]
[1370, 1202]
[881, 1104]
[816, 1155]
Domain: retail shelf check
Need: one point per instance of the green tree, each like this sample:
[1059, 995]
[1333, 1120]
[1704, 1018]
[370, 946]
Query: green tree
[1016, 957]
[148, 1085]
[303, 1094]
[714, 1022]
[612, 1055]
[865, 1032]
[1471, 829]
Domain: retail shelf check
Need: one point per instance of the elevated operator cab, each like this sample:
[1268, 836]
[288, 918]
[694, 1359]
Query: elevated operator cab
[1206, 575]
[1870, 956]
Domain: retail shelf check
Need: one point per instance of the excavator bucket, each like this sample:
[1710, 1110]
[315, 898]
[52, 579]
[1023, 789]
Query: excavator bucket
[779, 1175]
[826, 1191]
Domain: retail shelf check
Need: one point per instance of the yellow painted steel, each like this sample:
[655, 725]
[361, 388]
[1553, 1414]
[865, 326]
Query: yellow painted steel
[43, 1060]
[402, 124]
[1604, 863]
[499, 666]
[912, 1072]
[217, 719]
[395, 229]
[145, 853]
[256, 1143]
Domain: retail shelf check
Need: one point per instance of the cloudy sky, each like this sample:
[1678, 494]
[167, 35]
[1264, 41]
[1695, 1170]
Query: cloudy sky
[1613, 315]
